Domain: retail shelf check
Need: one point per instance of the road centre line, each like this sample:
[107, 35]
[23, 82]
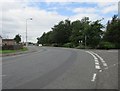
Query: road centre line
[101, 59]
[97, 65]
[94, 77]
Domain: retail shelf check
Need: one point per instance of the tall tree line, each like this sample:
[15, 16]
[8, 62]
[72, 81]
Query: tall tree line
[84, 33]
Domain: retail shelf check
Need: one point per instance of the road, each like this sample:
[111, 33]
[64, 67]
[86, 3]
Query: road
[61, 68]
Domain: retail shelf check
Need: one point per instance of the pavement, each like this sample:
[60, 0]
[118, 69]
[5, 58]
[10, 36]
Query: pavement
[61, 68]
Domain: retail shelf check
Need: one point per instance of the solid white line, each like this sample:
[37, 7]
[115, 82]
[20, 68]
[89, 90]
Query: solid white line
[102, 60]
[95, 58]
[94, 77]
[97, 66]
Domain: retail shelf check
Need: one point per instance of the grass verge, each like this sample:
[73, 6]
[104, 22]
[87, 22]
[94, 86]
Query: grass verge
[12, 51]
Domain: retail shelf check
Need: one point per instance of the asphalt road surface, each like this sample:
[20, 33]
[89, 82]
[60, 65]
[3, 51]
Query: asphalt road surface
[61, 68]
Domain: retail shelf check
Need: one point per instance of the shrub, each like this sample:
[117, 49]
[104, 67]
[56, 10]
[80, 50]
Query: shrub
[69, 45]
[106, 45]
[80, 47]
[12, 47]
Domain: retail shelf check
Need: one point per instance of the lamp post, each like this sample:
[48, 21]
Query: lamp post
[85, 41]
[26, 31]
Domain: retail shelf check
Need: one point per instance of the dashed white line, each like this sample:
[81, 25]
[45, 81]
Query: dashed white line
[104, 64]
[97, 66]
[94, 77]
[100, 70]
[101, 59]
[111, 66]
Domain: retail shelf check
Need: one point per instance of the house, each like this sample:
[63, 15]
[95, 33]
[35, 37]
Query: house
[8, 42]
[0, 41]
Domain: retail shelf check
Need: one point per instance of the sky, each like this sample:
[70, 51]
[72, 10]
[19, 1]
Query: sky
[46, 13]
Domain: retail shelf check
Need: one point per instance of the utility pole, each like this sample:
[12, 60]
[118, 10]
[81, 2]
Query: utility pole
[26, 31]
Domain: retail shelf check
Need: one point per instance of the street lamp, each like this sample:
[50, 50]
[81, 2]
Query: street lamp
[26, 31]
[85, 41]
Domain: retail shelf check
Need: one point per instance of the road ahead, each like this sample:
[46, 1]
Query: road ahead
[61, 68]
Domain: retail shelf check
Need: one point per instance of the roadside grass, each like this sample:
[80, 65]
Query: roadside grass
[12, 51]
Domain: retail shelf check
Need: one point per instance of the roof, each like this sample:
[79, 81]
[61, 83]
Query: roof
[8, 39]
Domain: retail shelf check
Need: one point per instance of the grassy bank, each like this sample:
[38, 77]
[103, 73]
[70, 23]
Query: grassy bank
[12, 51]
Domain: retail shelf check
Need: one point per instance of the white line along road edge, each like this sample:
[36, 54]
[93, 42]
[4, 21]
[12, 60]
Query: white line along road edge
[101, 59]
[97, 65]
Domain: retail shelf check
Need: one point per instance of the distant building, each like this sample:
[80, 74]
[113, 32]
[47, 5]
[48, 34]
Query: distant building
[8, 42]
[0, 41]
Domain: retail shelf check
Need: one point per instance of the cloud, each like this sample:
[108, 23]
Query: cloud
[14, 21]
[112, 8]
[108, 7]
[84, 10]
[79, 0]
[14, 15]
[92, 17]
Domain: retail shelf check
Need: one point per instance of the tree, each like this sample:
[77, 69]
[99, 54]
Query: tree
[17, 38]
[94, 34]
[61, 32]
[76, 32]
[83, 31]
[46, 38]
[112, 33]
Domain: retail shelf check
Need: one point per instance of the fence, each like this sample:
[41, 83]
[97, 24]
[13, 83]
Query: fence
[12, 47]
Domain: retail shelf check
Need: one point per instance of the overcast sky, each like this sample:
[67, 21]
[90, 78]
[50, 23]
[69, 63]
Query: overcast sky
[46, 13]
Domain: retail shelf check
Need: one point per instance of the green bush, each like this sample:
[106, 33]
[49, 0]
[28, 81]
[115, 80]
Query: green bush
[80, 47]
[69, 45]
[106, 45]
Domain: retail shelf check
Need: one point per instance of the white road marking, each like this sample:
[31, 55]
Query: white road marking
[104, 64]
[94, 77]
[100, 70]
[111, 66]
[101, 59]
[97, 65]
